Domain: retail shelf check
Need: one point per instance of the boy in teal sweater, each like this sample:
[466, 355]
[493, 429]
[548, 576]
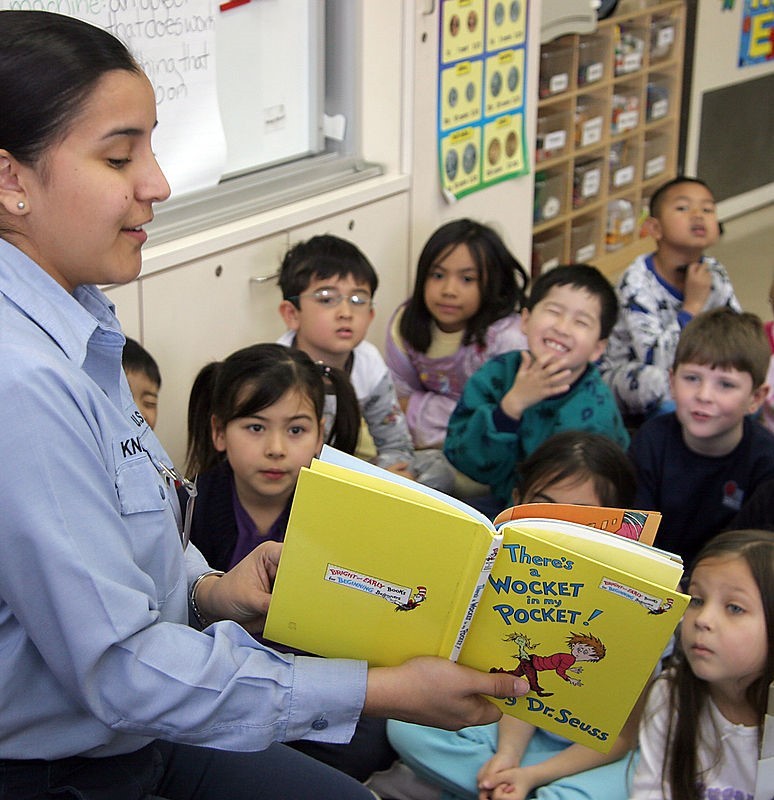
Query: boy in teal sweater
[519, 399]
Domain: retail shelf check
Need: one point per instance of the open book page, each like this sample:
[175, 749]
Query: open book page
[331, 455]
[629, 523]
[643, 560]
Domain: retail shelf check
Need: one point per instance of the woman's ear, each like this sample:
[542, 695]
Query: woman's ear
[13, 197]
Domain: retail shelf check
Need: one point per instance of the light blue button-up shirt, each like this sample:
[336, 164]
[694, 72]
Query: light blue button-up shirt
[96, 656]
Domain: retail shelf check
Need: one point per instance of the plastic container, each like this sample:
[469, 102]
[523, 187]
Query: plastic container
[589, 120]
[547, 250]
[555, 66]
[620, 224]
[659, 92]
[622, 162]
[550, 195]
[584, 235]
[629, 48]
[586, 181]
[553, 133]
[592, 58]
[663, 31]
[625, 108]
[655, 157]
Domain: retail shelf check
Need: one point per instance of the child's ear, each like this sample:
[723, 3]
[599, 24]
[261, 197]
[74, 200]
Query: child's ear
[218, 434]
[757, 398]
[599, 348]
[320, 437]
[290, 315]
[652, 227]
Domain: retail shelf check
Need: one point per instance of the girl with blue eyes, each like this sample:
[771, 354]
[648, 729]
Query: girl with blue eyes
[701, 730]
[463, 311]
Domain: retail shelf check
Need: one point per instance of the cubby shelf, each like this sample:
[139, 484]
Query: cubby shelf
[607, 134]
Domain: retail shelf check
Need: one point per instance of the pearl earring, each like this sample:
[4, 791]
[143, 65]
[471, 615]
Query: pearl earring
[20, 205]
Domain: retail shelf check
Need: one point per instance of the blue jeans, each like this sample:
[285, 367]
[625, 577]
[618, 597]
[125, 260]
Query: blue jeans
[179, 772]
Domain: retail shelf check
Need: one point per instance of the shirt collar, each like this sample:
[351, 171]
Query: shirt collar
[69, 319]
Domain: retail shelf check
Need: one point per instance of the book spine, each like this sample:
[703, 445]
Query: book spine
[489, 560]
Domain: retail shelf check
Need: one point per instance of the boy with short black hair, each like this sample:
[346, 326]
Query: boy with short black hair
[698, 464]
[660, 293]
[144, 377]
[327, 288]
[519, 399]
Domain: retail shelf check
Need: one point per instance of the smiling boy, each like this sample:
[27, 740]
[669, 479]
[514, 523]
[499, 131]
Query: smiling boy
[660, 294]
[698, 464]
[519, 399]
[327, 288]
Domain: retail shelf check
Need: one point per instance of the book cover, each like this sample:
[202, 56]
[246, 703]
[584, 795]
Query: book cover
[383, 570]
[630, 523]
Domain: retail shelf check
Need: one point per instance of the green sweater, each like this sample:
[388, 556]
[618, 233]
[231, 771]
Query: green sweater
[487, 445]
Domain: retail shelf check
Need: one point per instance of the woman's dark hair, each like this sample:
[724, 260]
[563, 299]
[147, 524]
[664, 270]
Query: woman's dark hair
[255, 378]
[49, 65]
[501, 277]
[689, 695]
[582, 455]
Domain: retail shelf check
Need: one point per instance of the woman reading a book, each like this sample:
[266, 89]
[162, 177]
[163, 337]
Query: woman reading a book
[110, 688]
[512, 760]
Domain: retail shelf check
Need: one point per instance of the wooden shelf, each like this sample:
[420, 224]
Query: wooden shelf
[608, 127]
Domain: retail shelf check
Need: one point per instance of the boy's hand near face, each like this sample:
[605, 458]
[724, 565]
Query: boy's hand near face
[698, 284]
[537, 379]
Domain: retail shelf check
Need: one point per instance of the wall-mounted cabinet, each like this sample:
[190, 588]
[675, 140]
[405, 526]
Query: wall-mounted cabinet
[607, 134]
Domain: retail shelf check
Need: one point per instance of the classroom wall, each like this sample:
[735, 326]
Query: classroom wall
[204, 295]
[730, 114]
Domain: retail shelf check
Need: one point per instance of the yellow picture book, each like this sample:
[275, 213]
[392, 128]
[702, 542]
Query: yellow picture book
[379, 568]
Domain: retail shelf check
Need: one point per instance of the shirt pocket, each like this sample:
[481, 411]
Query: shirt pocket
[138, 485]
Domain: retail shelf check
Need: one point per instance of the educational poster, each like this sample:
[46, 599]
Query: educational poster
[757, 42]
[481, 88]
[175, 45]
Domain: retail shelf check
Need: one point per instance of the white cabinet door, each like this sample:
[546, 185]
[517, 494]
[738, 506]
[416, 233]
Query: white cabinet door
[202, 311]
[126, 299]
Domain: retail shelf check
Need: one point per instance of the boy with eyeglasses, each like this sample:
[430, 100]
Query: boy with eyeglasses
[327, 288]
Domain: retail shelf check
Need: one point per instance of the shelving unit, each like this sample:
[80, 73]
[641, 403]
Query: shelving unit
[607, 134]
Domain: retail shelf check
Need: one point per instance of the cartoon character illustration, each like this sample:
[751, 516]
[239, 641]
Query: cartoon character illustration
[665, 606]
[582, 647]
[632, 524]
[419, 596]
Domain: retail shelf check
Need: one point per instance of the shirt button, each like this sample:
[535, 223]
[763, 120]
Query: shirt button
[161, 492]
[320, 724]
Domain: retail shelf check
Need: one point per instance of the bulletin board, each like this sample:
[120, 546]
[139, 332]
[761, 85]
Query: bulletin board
[239, 85]
[481, 87]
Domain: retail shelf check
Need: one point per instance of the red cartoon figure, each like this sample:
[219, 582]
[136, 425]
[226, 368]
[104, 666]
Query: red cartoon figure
[583, 647]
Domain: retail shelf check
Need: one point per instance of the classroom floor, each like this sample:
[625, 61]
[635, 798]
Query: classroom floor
[746, 248]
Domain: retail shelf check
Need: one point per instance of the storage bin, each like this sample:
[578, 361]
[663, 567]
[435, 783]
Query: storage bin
[620, 224]
[592, 59]
[589, 120]
[628, 48]
[550, 195]
[553, 133]
[547, 250]
[586, 181]
[555, 66]
[625, 108]
[583, 240]
[662, 37]
[655, 159]
[658, 94]
[622, 163]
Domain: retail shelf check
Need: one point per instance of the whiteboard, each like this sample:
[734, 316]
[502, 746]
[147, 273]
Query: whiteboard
[239, 86]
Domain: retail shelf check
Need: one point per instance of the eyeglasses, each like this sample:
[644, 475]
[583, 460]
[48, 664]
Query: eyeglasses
[331, 298]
